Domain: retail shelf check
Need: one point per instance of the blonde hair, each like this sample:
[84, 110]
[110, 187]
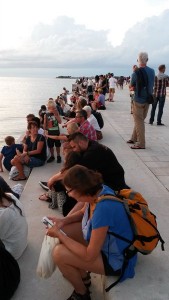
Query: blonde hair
[51, 103]
[72, 127]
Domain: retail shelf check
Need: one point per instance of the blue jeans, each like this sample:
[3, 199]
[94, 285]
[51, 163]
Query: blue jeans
[160, 101]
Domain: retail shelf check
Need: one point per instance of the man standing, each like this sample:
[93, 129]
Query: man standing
[142, 80]
[112, 85]
[161, 82]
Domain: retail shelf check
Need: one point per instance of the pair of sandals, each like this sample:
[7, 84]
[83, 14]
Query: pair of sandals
[134, 145]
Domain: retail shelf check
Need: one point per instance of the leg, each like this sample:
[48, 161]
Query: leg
[140, 113]
[160, 109]
[134, 134]
[16, 161]
[71, 267]
[153, 109]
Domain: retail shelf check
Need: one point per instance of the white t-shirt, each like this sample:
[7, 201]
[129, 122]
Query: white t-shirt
[112, 82]
[13, 228]
[93, 121]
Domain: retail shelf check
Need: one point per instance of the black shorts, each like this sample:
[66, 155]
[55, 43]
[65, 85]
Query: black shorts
[108, 269]
[51, 143]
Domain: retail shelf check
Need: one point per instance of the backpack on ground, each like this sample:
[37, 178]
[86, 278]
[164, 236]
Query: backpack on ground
[9, 274]
[143, 223]
[99, 118]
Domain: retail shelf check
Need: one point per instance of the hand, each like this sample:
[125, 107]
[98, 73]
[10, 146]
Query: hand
[59, 222]
[18, 152]
[53, 231]
[46, 133]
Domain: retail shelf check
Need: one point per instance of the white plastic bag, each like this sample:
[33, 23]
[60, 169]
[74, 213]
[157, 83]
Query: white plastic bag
[46, 265]
[14, 172]
[18, 188]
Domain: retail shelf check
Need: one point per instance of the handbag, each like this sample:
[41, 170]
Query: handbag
[46, 265]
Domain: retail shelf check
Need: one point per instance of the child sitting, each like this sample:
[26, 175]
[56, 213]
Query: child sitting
[8, 152]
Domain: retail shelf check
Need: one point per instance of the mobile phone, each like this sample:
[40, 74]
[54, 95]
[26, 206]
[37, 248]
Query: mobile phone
[47, 222]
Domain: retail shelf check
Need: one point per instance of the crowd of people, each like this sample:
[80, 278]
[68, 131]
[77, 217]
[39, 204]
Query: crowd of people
[90, 170]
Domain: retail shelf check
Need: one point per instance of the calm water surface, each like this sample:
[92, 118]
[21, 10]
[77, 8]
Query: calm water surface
[21, 96]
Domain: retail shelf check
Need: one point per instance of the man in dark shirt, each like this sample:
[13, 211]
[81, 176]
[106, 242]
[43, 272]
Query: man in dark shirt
[160, 84]
[100, 158]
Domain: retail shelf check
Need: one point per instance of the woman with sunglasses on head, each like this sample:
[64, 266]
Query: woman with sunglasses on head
[86, 244]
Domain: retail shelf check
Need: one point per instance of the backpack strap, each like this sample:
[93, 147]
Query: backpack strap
[125, 264]
[126, 257]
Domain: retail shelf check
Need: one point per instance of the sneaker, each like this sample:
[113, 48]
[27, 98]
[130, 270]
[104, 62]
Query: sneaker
[50, 159]
[76, 296]
[150, 122]
[160, 124]
[59, 159]
[43, 184]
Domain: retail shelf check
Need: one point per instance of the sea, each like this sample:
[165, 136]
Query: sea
[20, 96]
[24, 90]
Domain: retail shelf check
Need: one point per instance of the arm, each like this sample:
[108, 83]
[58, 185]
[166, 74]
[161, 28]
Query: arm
[40, 145]
[61, 137]
[88, 253]
[54, 178]
[57, 116]
[1, 167]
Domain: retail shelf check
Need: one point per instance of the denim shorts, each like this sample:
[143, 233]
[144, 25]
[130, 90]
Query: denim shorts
[35, 162]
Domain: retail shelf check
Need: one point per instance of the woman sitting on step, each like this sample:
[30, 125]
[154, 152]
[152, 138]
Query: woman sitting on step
[13, 225]
[34, 152]
[86, 242]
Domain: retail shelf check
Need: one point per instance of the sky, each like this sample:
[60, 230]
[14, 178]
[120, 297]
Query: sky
[80, 34]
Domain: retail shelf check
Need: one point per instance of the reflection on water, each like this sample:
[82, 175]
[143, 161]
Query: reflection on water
[21, 96]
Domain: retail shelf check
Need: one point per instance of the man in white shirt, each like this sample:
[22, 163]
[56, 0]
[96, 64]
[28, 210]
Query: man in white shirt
[93, 121]
[112, 84]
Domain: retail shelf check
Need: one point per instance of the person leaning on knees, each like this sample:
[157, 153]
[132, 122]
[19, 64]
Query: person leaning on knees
[161, 82]
[86, 246]
[142, 77]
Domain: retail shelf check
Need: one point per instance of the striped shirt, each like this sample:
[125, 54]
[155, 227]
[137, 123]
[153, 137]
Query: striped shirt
[160, 86]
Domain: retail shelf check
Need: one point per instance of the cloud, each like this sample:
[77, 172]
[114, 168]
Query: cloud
[67, 44]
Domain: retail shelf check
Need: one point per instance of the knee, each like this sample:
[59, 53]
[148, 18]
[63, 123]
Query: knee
[59, 254]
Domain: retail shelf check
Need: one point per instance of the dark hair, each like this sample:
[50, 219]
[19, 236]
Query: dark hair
[82, 113]
[37, 120]
[83, 180]
[4, 195]
[9, 140]
[32, 123]
[83, 102]
[43, 107]
[77, 136]
[30, 116]
[161, 67]
[72, 158]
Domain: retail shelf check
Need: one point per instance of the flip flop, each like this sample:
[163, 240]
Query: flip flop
[136, 147]
[130, 142]
[18, 178]
[45, 197]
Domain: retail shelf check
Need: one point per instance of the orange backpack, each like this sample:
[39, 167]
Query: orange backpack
[143, 223]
